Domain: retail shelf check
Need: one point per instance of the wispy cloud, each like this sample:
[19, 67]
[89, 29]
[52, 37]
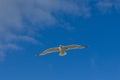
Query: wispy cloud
[21, 19]
[104, 6]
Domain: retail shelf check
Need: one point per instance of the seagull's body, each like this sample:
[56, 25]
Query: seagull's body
[61, 49]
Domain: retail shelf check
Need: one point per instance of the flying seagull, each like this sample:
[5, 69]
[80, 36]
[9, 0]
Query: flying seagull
[61, 49]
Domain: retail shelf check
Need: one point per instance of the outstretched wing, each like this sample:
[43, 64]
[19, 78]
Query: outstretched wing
[48, 51]
[74, 47]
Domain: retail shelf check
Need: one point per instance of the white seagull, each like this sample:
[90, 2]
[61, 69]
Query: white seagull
[61, 49]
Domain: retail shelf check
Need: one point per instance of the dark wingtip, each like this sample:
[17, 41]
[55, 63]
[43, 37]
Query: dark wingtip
[85, 47]
[36, 55]
[39, 54]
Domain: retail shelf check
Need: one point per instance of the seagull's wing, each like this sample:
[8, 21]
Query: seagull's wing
[73, 47]
[48, 51]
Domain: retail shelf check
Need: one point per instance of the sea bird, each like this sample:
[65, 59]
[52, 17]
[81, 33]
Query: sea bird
[61, 49]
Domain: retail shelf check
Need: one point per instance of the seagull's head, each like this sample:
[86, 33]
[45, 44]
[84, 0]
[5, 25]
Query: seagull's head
[60, 45]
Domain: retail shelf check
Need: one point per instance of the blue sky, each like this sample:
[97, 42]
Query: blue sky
[27, 27]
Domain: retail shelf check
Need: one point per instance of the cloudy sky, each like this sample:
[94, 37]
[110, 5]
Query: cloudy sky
[28, 27]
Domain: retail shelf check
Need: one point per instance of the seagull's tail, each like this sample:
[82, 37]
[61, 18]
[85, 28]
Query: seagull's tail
[63, 54]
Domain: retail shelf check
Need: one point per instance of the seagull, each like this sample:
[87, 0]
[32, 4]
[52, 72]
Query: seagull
[61, 49]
